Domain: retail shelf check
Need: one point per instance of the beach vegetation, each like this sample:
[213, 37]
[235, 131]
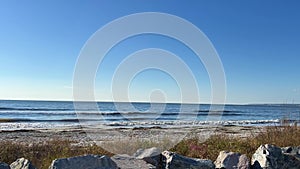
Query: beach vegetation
[41, 154]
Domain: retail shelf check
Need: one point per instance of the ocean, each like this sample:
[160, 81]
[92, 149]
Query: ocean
[59, 114]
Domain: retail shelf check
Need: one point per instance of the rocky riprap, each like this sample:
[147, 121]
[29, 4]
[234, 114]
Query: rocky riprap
[266, 157]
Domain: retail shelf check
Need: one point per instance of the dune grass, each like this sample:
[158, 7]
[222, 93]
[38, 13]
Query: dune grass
[130, 146]
[281, 136]
[42, 154]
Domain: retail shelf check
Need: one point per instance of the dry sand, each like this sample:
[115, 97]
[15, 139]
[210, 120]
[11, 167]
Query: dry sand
[97, 134]
[125, 140]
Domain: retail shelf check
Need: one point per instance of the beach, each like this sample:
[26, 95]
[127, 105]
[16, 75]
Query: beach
[80, 136]
[111, 124]
[43, 145]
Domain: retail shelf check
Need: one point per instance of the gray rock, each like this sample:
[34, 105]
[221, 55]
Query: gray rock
[172, 160]
[4, 166]
[267, 156]
[271, 157]
[125, 161]
[21, 163]
[231, 160]
[84, 162]
[150, 155]
[294, 151]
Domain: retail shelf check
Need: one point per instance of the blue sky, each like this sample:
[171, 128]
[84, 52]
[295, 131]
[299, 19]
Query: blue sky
[257, 41]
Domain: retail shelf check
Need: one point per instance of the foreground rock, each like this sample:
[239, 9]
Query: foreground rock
[150, 155]
[84, 162]
[293, 151]
[4, 166]
[231, 160]
[271, 157]
[21, 163]
[125, 161]
[172, 160]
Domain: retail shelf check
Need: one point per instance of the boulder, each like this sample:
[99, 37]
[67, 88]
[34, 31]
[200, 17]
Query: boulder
[271, 157]
[172, 160]
[4, 166]
[231, 160]
[294, 151]
[84, 162]
[125, 161]
[21, 163]
[150, 155]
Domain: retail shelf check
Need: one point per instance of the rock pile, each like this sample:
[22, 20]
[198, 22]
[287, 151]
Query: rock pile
[266, 157]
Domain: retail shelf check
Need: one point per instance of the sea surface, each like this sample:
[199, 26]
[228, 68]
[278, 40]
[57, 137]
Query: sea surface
[58, 114]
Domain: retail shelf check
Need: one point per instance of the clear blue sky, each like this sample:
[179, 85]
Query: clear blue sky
[258, 42]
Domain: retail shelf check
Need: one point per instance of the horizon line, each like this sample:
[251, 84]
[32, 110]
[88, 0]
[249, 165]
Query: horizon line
[171, 102]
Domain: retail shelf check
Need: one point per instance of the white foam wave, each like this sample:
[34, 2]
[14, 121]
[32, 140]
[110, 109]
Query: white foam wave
[131, 124]
[191, 123]
[30, 126]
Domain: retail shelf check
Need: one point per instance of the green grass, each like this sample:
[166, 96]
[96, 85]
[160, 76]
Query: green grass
[42, 154]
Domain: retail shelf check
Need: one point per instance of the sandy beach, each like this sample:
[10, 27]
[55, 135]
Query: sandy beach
[42, 146]
[85, 136]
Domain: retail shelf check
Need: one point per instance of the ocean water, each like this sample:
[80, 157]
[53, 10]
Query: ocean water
[56, 114]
